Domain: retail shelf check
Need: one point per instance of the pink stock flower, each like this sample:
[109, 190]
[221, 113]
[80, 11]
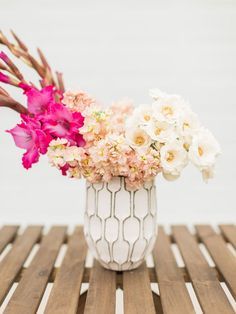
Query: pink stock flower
[61, 122]
[29, 136]
[77, 101]
[38, 100]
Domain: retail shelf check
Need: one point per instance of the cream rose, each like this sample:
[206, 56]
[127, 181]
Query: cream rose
[204, 149]
[173, 158]
[138, 138]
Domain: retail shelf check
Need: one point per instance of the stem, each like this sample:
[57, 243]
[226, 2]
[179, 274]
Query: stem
[6, 101]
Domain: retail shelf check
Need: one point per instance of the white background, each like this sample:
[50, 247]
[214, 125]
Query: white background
[123, 48]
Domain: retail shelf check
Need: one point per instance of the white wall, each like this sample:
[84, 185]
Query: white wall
[122, 48]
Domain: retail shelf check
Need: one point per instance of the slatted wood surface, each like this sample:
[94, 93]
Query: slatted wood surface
[50, 271]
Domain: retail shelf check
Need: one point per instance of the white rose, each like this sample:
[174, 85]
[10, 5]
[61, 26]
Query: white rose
[173, 158]
[138, 138]
[161, 131]
[142, 115]
[204, 149]
[168, 107]
[188, 122]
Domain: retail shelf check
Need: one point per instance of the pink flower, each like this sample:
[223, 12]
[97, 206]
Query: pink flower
[47, 121]
[29, 136]
[77, 101]
[38, 100]
[61, 122]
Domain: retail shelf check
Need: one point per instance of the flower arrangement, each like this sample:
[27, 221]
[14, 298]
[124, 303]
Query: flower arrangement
[83, 139]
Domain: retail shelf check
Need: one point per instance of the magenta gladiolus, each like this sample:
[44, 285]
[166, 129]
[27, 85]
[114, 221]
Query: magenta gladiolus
[48, 120]
[61, 122]
[38, 100]
[29, 136]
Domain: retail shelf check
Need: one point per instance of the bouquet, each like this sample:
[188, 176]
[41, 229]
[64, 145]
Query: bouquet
[82, 139]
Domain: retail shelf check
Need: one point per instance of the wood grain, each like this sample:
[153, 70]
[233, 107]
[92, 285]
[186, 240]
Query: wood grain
[229, 232]
[205, 282]
[65, 293]
[101, 296]
[7, 234]
[137, 288]
[221, 255]
[14, 260]
[28, 294]
[173, 292]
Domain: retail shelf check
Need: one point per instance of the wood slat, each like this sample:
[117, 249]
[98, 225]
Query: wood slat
[65, 293]
[14, 260]
[7, 234]
[101, 296]
[138, 297]
[221, 255]
[229, 232]
[28, 294]
[205, 282]
[173, 292]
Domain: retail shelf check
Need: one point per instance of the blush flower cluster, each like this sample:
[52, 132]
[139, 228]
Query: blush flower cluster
[134, 142]
[84, 140]
[107, 153]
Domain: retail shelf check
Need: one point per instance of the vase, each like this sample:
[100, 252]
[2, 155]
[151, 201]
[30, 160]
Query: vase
[120, 224]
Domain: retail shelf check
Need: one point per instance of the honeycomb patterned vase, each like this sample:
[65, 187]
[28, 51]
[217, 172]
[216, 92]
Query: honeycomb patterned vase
[120, 225]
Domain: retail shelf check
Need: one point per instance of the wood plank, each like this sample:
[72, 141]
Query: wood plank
[229, 233]
[221, 255]
[101, 296]
[7, 234]
[205, 282]
[138, 297]
[65, 293]
[173, 292]
[28, 294]
[12, 263]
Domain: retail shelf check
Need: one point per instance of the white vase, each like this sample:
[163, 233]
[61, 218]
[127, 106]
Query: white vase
[120, 225]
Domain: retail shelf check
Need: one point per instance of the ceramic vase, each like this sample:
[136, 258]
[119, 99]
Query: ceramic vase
[120, 225]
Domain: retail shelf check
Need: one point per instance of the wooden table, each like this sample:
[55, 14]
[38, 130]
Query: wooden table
[31, 282]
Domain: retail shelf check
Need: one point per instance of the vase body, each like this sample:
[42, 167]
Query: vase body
[120, 225]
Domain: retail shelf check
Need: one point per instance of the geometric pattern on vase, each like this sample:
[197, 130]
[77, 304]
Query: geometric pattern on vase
[120, 225]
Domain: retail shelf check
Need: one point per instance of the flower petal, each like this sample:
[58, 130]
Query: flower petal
[38, 100]
[30, 157]
[22, 136]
